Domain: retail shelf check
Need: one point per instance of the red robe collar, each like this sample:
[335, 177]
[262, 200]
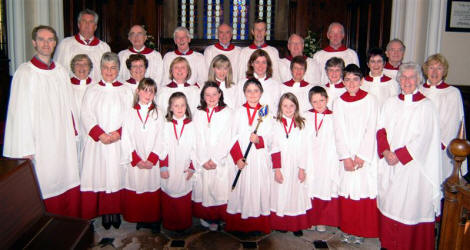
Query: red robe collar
[253, 46]
[229, 48]
[190, 51]
[76, 81]
[337, 86]
[289, 57]
[349, 98]
[137, 106]
[216, 109]
[175, 85]
[418, 96]
[390, 66]
[384, 78]
[331, 49]
[41, 65]
[291, 83]
[93, 42]
[131, 81]
[185, 121]
[258, 106]
[115, 84]
[284, 121]
[441, 85]
[326, 112]
[145, 51]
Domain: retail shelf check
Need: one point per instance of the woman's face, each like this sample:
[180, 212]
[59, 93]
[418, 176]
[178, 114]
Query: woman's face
[376, 65]
[435, 72]
[138, 70]
[221, 72]
[260, 66]
[408, 81]
[81, 69]
[334, 74]
[211, 96]
[109, 71]
[180, 72]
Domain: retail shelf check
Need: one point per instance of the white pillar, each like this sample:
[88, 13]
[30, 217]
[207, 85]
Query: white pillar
[436, 21]
[15, 33]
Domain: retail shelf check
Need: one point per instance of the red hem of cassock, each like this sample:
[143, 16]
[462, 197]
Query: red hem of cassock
[359, 217]
[289, 223]
[67, 203]
[176, 212]
[251, 224]
[324, 212]
[144, 207]
[209, 213]
[100, 203]
[396, 235]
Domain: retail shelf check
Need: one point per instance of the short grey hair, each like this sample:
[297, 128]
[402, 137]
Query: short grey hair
[333, 24]
[295, 35]
[411, 66]
[80, 57]
[110, 57]
[181, 28]
[137, 25]
[396, 40]
[88, 12]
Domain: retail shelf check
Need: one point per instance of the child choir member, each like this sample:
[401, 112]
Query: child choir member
[212, 179]
[289, 195]
[176, 170]
[297, 85]
[137, 65]
[180, 72]
[355, 119]
[260, 67]
[141, 145]
[376, 83]
[248, 207]
[334, 87]
[102, 113]
[221, 72]
[322, 161]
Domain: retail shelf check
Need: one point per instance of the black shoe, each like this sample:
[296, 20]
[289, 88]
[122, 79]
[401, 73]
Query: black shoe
[298, 233]
[155, 227]
[139, 225]
[106, 221]
[116, 220]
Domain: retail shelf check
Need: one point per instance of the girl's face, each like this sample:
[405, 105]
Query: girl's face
[319, 102]
[221, 72]
[298, 72]
[211, 96]
[180, 72]
[252, 94]
[334, 74]
[145, 95]
[137, 70]
[260, 66]
[178, 107]
[376, 65]
[352, 83]
[288, 108]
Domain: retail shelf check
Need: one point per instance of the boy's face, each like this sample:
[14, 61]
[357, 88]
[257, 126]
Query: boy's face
[298, 72]
[319, 102]
[352, 83]
[334, 74]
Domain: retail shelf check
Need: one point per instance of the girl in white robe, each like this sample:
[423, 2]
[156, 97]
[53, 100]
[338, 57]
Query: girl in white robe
[141, 146]
[334, 87]
[248, 206]
[211, 181]
[322, 161]
[289, 193]
[297, 85]
[221, 71]
[355, 119]
[104, 107]
[177, 168]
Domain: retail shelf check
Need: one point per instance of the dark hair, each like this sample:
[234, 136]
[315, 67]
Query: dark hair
[376, 52]
[259, 21]
[317, 90]
[300, 60]
[353, 69]
[136, 57]
[253, 81]
[259, 53]
[211, 84]
[34, 33]
[169, 113]
[146, 83]
[298, 119]
[334, 62]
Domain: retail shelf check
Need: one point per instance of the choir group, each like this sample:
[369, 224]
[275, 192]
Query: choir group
[315, 142]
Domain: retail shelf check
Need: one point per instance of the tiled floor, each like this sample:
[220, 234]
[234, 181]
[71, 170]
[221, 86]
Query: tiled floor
[127, 237]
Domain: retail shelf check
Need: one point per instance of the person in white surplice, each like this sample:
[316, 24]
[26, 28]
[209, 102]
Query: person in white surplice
[395, 52]
[103, 110]
[297, 85]
[334, 86]
[40, 125]
[409, 171]
[84, 42]
[137, 65]
[220, 71]
[211, 187]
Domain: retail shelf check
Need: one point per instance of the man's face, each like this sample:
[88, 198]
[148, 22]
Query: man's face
[296, 46]
[87, 26]
[259, 32]
[224, 34]
[395, 52]
[44, 43]
[182, 41]
[137, 37]
[335, 36]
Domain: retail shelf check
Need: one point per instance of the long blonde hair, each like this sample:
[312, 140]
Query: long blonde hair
[299, 120]
[218, 62]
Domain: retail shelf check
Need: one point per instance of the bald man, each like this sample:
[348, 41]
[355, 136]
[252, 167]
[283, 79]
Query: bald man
[137, 36]
[335, 49]
[225, 47]
[295, 45]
